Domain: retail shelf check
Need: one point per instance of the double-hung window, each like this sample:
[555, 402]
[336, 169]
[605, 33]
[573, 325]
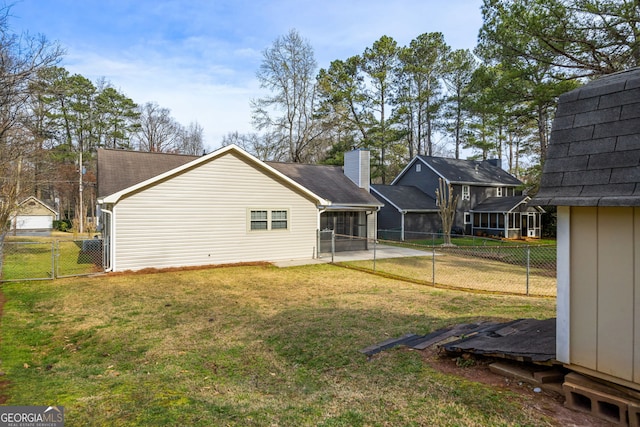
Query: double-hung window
[268, 219]
[465, 192]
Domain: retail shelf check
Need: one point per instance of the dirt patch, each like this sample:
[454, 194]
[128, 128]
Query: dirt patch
[477, 369]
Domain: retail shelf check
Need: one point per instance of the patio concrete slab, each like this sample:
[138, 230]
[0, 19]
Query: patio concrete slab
[380, 252]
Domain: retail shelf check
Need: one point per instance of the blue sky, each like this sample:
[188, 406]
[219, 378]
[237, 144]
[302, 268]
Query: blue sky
[199, 58]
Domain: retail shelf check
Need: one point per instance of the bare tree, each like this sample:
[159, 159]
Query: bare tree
[191, 140]
[288, 70]
[158, 131]
[21, 56]
[447, 203]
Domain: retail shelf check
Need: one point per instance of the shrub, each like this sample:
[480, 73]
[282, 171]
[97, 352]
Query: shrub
[62, 225]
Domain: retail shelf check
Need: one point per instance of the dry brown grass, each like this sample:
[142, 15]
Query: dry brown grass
[247, 345]
[463, 272]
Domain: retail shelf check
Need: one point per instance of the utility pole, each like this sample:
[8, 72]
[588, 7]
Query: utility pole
[80, 203]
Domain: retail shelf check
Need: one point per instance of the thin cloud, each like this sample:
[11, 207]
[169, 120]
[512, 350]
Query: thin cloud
[200, 58]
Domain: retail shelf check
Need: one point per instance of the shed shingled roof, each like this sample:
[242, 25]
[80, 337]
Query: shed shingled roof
[593, 158]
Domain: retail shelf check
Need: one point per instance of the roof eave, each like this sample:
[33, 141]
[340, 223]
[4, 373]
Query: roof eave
[115, 197]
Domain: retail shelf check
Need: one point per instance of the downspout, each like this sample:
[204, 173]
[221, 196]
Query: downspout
[108, 268]
[402, 214]
[321, 209]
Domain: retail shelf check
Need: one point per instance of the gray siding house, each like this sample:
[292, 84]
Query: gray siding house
[490, 199]
[164, 210]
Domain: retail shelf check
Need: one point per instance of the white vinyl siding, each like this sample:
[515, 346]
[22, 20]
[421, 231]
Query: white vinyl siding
[200, 217]
[33, 222]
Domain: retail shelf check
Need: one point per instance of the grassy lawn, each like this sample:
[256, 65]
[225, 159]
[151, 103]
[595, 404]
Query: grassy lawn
[28, 257]
[246, 346]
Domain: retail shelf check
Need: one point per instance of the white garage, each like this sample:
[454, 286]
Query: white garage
[33, 215]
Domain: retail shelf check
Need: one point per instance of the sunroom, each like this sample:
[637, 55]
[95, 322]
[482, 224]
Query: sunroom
[506, 217]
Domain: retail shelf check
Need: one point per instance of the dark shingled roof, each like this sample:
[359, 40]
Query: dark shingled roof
[500, 204]
[406, 197]
[120, 169]
[328, 182]
[476, 172]
[593, 157]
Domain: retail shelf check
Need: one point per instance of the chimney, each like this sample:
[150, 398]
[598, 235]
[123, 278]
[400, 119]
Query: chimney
[356, 167]
[495, 162]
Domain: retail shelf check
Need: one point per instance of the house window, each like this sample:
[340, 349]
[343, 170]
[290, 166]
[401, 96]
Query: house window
[259, 220]
[499, 191]
[465, 192]
[418, 167]
[277, 219]
[467, 218]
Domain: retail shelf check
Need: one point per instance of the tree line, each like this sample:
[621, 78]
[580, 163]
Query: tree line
[52, 122]
[424, 98]
[429, 99]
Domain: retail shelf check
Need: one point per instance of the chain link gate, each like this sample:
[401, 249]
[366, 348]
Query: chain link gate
[30, 260]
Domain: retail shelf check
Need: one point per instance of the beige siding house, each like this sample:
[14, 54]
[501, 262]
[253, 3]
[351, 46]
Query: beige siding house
[224, 207]
[33, 215]
[592, 173]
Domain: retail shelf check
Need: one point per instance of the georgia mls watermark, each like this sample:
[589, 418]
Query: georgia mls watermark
[31, 416]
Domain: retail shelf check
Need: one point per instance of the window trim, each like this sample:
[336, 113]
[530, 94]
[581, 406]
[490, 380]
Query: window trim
[270, 219]
[466, 192]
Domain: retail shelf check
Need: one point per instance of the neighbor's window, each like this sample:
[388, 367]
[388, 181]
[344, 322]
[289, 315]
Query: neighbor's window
[418, 167]
[259, 220]
[467, 218]
[465, 192]
[276, 219]
[499, 191]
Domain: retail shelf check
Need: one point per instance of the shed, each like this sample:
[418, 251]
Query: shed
[592, 173]
[33, 214]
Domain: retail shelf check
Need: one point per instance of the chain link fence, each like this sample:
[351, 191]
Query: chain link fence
[470, 263]
[46, 260]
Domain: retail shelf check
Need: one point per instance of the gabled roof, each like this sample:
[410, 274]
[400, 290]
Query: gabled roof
[120, 169]
[469, 172]
[328, 182]
[593, 157]
[121, 172]
[405, 198]
[37, 201]
[501, 204]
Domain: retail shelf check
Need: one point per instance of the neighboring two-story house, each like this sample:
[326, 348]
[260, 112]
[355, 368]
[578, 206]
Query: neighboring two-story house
[490, 201]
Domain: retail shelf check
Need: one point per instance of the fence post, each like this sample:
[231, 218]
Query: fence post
[375, 246]
[55, 259]
[433, 265]
[528, 268]
[333, 244]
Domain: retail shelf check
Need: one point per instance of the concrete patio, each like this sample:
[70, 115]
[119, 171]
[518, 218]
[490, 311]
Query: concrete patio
[380, 252]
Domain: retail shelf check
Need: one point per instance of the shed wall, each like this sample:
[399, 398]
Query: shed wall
[605, 284]
[201, 217]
